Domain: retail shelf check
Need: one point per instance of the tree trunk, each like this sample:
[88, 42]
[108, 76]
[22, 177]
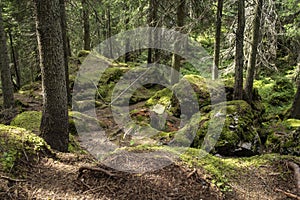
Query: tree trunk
[65, 46]
[7, 86]
[16, 67]
[108, 35]
[127, 42]
[176, 65]
[215, 74]
[254, 45]
[152, 22]
[86, 26]
[295, 112]
[54, 124]
[239, 52]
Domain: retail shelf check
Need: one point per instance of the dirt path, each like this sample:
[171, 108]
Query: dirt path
[58, 179]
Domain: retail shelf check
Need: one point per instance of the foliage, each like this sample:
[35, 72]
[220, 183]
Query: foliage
[276, 94]
[18, 144]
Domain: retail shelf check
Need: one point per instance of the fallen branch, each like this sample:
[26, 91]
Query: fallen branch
[97, 169]
[288, 194]
[12, 179]
[192, 173]
[296, 170]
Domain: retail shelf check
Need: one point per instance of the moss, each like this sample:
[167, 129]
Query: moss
[238, 128]
[83, 53]
[16, 144]
[293, 122]
[30, 120]
[276, 94]
[108, 81]
[74, 146]
[162, 97]
[84, 123]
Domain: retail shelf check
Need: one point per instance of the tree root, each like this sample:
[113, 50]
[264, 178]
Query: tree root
[97, 169]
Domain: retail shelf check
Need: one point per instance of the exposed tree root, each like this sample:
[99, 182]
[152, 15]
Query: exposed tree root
[97, 169]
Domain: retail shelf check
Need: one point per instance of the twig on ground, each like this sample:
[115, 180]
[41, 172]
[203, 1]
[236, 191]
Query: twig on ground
[192, 173]
[12, 179]
[288, 194]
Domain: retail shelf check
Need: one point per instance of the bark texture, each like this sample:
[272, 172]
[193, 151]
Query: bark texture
[239, 52]
[7, 86]
[54, 124]
[252, 61]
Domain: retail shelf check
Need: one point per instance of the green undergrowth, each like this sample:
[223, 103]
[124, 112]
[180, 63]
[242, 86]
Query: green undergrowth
[276, 93]
[19, 144]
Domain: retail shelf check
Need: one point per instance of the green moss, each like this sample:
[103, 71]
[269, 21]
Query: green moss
[83, 53]
[293, 122]
[276, 94]
[16, 144]
[238, 127]
[74, 146]
[108, 81]
[30, 120]
[162, 97]
[84, 123]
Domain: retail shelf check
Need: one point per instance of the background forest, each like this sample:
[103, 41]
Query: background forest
[254, 49]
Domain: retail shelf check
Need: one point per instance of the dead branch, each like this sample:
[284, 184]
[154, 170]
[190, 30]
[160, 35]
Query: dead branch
[12, 179]
[288, 194]
[296, 170]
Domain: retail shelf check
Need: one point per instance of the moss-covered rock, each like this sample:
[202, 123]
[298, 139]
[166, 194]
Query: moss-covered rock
[30, 120]
[238, 137]
[19, 144]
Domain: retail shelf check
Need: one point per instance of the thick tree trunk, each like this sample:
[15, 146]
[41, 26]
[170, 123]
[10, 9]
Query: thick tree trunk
[239, 52]
[86, 26]
[65, 46]
[7, 86]
[217, 47]
[254, 45]
[54, 125]
[176, 65]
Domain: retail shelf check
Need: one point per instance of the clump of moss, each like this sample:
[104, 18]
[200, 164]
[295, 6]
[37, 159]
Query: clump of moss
[19, 144]
[30, 120]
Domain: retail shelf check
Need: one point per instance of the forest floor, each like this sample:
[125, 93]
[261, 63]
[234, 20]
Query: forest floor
[62, 177]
